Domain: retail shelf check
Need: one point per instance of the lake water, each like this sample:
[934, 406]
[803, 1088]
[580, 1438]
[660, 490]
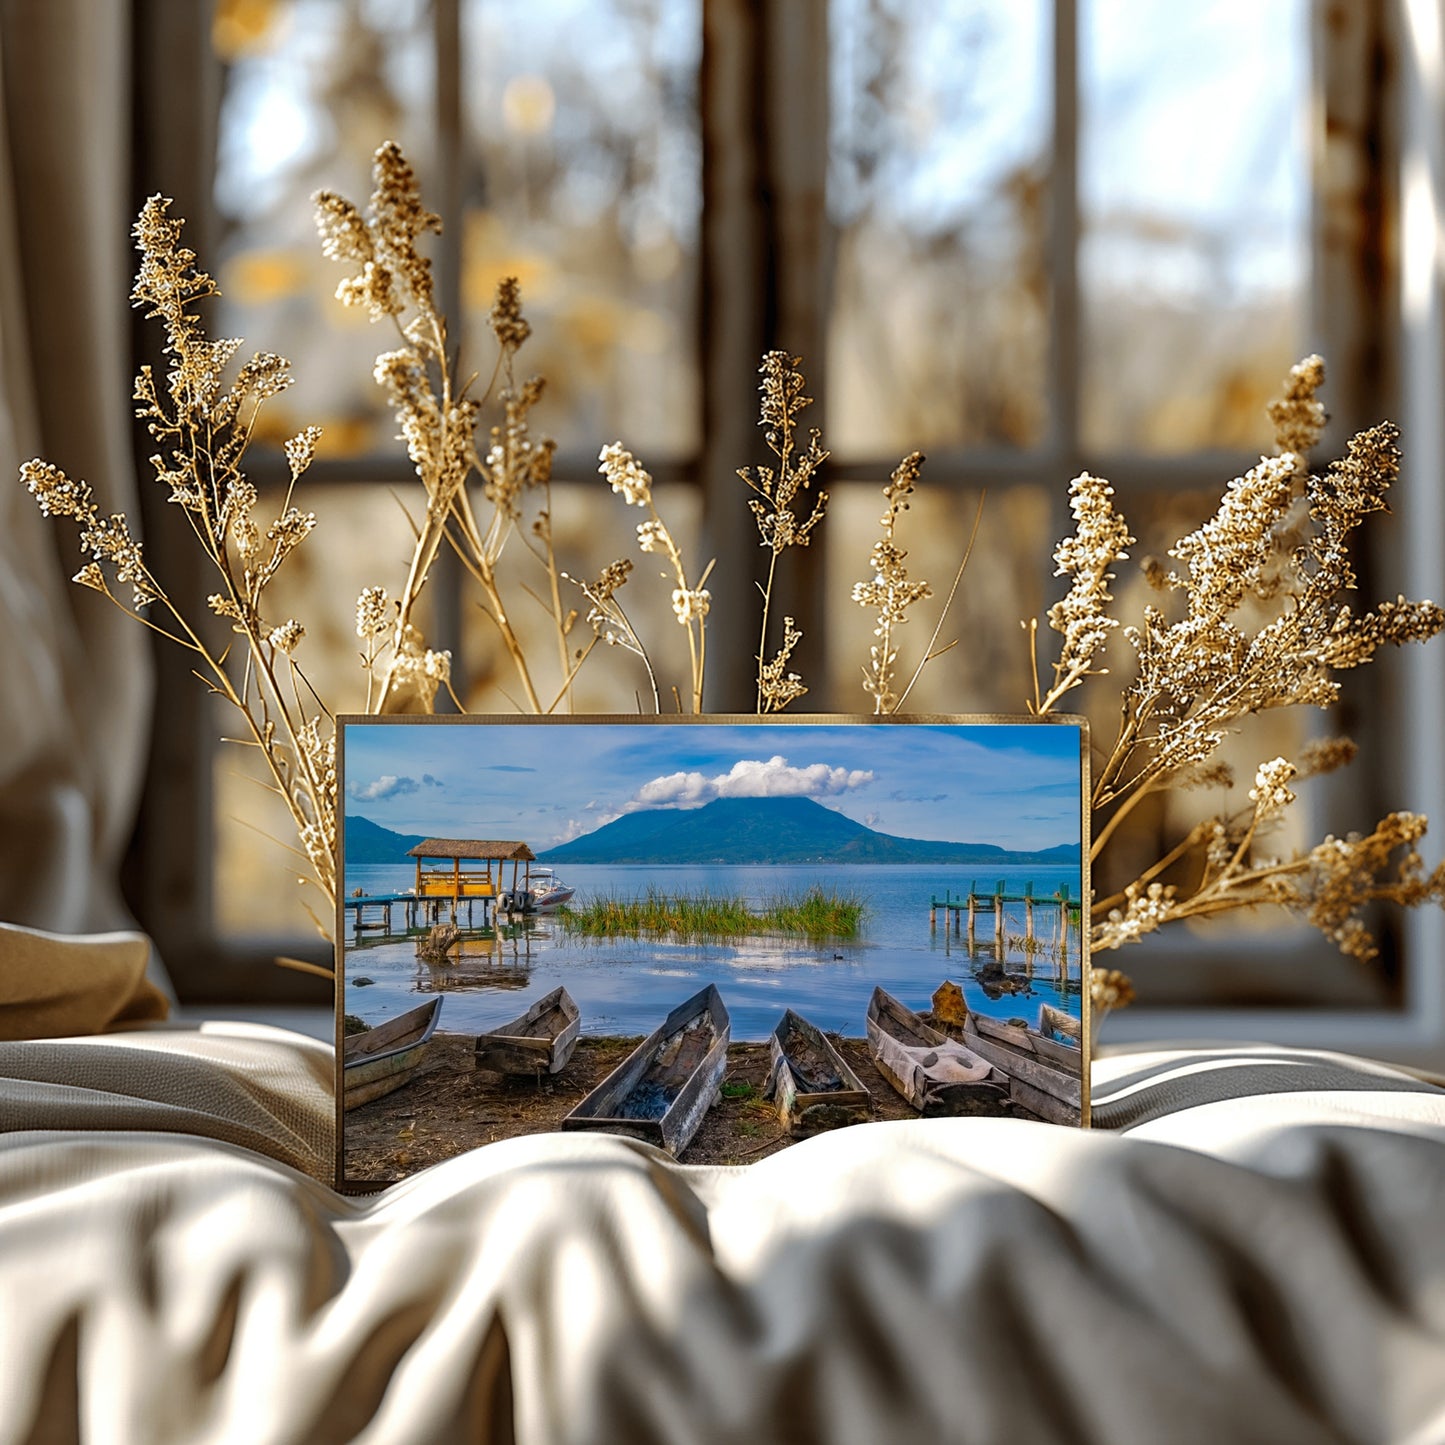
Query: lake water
[626, 986]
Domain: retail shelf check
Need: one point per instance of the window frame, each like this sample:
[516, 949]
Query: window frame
[765, 236]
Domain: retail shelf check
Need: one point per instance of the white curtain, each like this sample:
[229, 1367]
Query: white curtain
[75, 680]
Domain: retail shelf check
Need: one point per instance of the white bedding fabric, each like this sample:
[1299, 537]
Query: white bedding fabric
[1235, 1265]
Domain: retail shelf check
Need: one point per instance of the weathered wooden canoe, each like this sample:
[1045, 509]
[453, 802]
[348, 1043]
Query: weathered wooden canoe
[935, 1074]
[539, 1041]
[1060, 1025]
[1045, 1076]
[384, 1058]
[810, 1081]
[662, 1089]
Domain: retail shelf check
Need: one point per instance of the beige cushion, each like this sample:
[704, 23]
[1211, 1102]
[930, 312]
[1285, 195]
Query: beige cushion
[58, 986]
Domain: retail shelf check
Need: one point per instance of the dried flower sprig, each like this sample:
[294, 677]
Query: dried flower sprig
[1082, 614]
[438, 420]
[778, 686]
[609, 620]
[1331, 886]
[1264, 624]
[691, 601]
[777, 491]
[201, 428]
[890, 592]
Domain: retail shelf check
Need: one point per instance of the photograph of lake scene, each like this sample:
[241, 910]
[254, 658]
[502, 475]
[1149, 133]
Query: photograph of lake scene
[717, 935]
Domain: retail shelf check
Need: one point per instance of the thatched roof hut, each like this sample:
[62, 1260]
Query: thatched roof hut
[484, 848]
[476, 881]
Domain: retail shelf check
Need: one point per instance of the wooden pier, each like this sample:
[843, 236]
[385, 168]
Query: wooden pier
[450, 893]
[375, 913]
[1061, 911]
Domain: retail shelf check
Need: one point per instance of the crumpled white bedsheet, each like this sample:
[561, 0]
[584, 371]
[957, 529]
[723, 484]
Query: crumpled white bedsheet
[1232, 1266]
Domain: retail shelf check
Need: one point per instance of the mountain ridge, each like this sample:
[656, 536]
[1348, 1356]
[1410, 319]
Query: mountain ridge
[772, 831]
[368, 842]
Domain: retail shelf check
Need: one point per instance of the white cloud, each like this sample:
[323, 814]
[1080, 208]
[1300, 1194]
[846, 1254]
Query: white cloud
[579, 827]
[749, 778]
[388, 785]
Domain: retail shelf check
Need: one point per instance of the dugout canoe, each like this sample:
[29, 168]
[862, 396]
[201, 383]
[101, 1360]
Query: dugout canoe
[662, 1089]
[538, 1041]
[385, 1058]
[934, 1073]
[810, 1081]
[1045, 1077]
[1060, 1025]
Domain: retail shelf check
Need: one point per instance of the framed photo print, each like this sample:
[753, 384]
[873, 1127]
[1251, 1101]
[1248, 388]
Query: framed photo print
[715, 934]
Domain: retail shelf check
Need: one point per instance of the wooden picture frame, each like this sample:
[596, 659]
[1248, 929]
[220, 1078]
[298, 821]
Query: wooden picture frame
[717, 934]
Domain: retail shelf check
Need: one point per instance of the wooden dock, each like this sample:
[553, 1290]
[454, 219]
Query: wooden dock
[1058, 911]
[376, 913]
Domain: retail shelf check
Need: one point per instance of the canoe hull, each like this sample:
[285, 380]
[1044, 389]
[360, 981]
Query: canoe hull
[803, 1108]
[673, 1127]
[538, 1041]
[896, 1034]
[1060, 1025]
[1045, 1077]
[384, 1058]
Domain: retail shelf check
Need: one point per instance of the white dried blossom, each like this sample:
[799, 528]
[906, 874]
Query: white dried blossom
[1218, 850]
[373, 612]
[287, 636]
[625, 475]
[1100, 539]
[1270, 795]
[301, 449]
[692, 603]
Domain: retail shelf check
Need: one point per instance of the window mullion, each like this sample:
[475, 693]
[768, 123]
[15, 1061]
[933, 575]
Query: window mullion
[445, 581]
[795, 74]
[735, 290]
[1063, 242]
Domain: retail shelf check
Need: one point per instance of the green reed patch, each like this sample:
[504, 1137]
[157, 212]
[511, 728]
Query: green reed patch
[812, 913]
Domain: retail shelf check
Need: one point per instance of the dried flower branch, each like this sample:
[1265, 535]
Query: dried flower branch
[1082, 615]
[690, 601]
[201, 429]
[777, 490]
[1264, 624]
[438, 421]
[610, 622]
[891, 592]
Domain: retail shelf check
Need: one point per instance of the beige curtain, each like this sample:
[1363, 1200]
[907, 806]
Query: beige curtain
[75, 681]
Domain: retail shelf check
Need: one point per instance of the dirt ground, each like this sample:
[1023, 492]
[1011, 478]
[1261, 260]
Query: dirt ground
[449, 1107]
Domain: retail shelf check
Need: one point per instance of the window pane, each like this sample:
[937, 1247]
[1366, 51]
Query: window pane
[311, 89]
[940, 123]
[1194, 186]
[582, 177]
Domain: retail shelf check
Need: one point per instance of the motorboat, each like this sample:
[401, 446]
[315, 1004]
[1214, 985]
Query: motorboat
[544, 893]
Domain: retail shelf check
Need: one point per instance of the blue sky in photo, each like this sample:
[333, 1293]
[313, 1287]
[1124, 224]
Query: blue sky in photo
[544, 783]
